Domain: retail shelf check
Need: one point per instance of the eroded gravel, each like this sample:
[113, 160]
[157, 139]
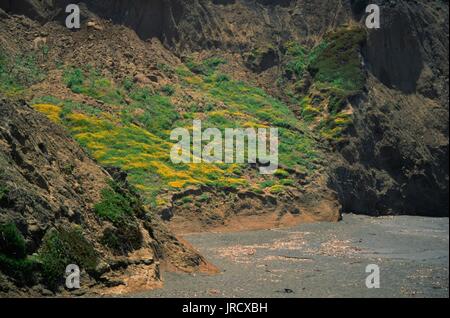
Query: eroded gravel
[322, 260]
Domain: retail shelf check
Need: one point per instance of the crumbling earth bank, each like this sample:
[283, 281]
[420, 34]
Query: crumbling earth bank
[49, 192]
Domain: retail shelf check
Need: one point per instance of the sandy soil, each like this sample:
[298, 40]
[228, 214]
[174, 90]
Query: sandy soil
[322, 260]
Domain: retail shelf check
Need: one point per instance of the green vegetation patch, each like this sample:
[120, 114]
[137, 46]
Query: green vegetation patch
[155, 112]
[119, 207]
[91, 83]
[300, 58]
[114, 205]
[337, 75]
[12, 243]
[169, 90]
[135, 135]
[339, 63]
[13, 259]
[3, 191]
[61, 247]
[206, 67]
[250, 107]
[136, 139]
[18, 73]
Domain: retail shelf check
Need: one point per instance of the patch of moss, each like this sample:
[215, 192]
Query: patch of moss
[267, 184]
[187, 200]
[337, 76]
[64, 246]
[222, 78]
[282, 174]
[299, 58]
[205, 197]
[74, 79]
[334, 127]
[169, 90]
[155, 112]
[287, 182]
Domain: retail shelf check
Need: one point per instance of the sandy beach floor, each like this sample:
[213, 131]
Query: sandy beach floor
[322, 260]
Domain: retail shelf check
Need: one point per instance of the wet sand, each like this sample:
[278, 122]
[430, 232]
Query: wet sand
[322, 260]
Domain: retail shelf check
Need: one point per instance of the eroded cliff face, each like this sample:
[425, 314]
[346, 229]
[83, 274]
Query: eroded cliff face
[187, 26]
[396, 156]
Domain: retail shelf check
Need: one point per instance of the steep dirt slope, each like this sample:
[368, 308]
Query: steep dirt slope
[406, 57]
[121, 58]
[50, 197]
[396, 156]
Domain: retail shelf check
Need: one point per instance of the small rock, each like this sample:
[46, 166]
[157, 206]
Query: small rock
[288, 291]
[94, 25]
[79, 292]
[113, 283]
[46, 293]
[141, 78]
[153, 78]
[128, 55]
[214, 292]
[102, 268]
[149, 261]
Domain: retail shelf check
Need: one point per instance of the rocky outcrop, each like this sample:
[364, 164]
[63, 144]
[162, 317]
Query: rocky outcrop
[47, 175]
